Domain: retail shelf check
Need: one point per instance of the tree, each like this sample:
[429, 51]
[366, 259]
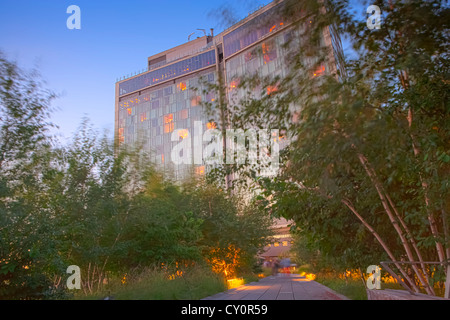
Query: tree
[368, 152]
[24, 110]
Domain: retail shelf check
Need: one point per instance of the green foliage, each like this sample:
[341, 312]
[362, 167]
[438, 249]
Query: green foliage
[108, 211]
[152, 284]
[375, 127]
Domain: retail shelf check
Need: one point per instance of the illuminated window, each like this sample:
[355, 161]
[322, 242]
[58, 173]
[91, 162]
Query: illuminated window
[162, 158]
[200, 170]
[168, 123]
[168, 118]
[143, 116]
[276, 244]
[269, 51]
[168, 127]
[181, 86]
[284, 243]
[183, 133]
[211, 125]
[271, 89]
[195, 101]
[121, 137]
[211, 96]
[129, 111]
[234, 83]
[319, 71]
[280, 137]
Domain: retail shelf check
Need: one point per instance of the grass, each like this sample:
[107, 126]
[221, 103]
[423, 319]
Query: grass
[352, 288]
[194, 284]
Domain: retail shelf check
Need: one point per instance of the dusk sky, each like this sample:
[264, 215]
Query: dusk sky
[115, 39]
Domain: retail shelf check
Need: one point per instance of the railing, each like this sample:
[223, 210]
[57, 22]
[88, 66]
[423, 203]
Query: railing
[156, 66]
[385, 265]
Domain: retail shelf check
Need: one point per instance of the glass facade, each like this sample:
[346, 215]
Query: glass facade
[172, 71]
[151, 109]
[263, 59]
[252, 31]
[149, 119]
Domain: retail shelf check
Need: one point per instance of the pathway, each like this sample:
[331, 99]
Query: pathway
[280, 287]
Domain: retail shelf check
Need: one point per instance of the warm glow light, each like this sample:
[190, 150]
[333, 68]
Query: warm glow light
[219, 265]
[234, 283]
[308, 276]
[168, 123]
[200, 170]
[211, 125]
[183, 133]
[272, 89]
[319, 71]
[168, 118]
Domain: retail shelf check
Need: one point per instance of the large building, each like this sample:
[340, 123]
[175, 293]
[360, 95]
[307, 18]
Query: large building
[170, 96]
[172, 100]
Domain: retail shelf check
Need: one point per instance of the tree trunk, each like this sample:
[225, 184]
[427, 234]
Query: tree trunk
[380, 190]
[348, 204]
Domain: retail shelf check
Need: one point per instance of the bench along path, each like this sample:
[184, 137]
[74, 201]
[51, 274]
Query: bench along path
[280, 287]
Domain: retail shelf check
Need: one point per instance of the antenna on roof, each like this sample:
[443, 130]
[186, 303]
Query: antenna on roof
[204, 31]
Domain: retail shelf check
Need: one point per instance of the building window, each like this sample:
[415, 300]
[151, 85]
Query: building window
[195, 101]
[250, 55]
[183, 114]
[320, 70]
[200, 170]
[211, 125]
[168, 123]
[211, 96]
[234, 83]
[121, 136]
[168, 91]
[272, 89]
[269, 51]
[183, 133]
[181, 86]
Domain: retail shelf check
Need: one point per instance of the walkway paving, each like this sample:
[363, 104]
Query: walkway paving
[280, 287]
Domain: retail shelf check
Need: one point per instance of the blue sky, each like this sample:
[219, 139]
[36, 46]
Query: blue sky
[115, 39]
